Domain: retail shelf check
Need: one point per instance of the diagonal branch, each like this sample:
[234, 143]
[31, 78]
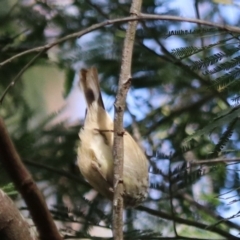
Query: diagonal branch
[13, 82]
[173, 113]
[46, 47]
[208, 211]
[122, 20]
[56, 171]
[187, 222]
[27, 187]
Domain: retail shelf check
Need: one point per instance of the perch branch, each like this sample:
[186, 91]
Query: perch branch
[120, 103]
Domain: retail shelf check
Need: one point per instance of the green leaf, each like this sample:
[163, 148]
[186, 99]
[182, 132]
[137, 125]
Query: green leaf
[68, 81]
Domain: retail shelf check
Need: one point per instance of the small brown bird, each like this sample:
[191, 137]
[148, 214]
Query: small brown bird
[95, 152]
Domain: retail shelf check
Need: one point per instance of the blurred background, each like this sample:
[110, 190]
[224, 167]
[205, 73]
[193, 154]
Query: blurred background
[185, 81]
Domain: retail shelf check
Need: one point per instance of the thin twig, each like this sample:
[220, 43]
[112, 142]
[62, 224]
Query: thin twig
[208, 211]
[123, 87]
[199, 25]
[232, 190]
[4, 20]
[171, 201]
[13, 82]
[98, 9]
[187, 222]
[174, 112]
[223, 220]
[27, 187]
[56, 171]
[122, 20]
[191, 20]
[212, 161]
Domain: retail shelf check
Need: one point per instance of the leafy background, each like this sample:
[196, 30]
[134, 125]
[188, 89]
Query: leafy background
[182, 107]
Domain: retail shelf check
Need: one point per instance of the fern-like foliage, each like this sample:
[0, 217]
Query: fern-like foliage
[236, 99]
[49, 151]
[200, 64]
[180, 177]
[194, 32]
[185, 51]
[184, 176]
[224, 138]
[224, 66]
[229, 80]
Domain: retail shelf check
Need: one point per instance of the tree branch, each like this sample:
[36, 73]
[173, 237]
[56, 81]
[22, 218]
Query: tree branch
[140, 16]
[27, 187]
[12, 224]
[120, 103]
[122, 20]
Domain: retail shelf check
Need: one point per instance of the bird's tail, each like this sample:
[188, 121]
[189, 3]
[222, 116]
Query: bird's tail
[90, 86]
